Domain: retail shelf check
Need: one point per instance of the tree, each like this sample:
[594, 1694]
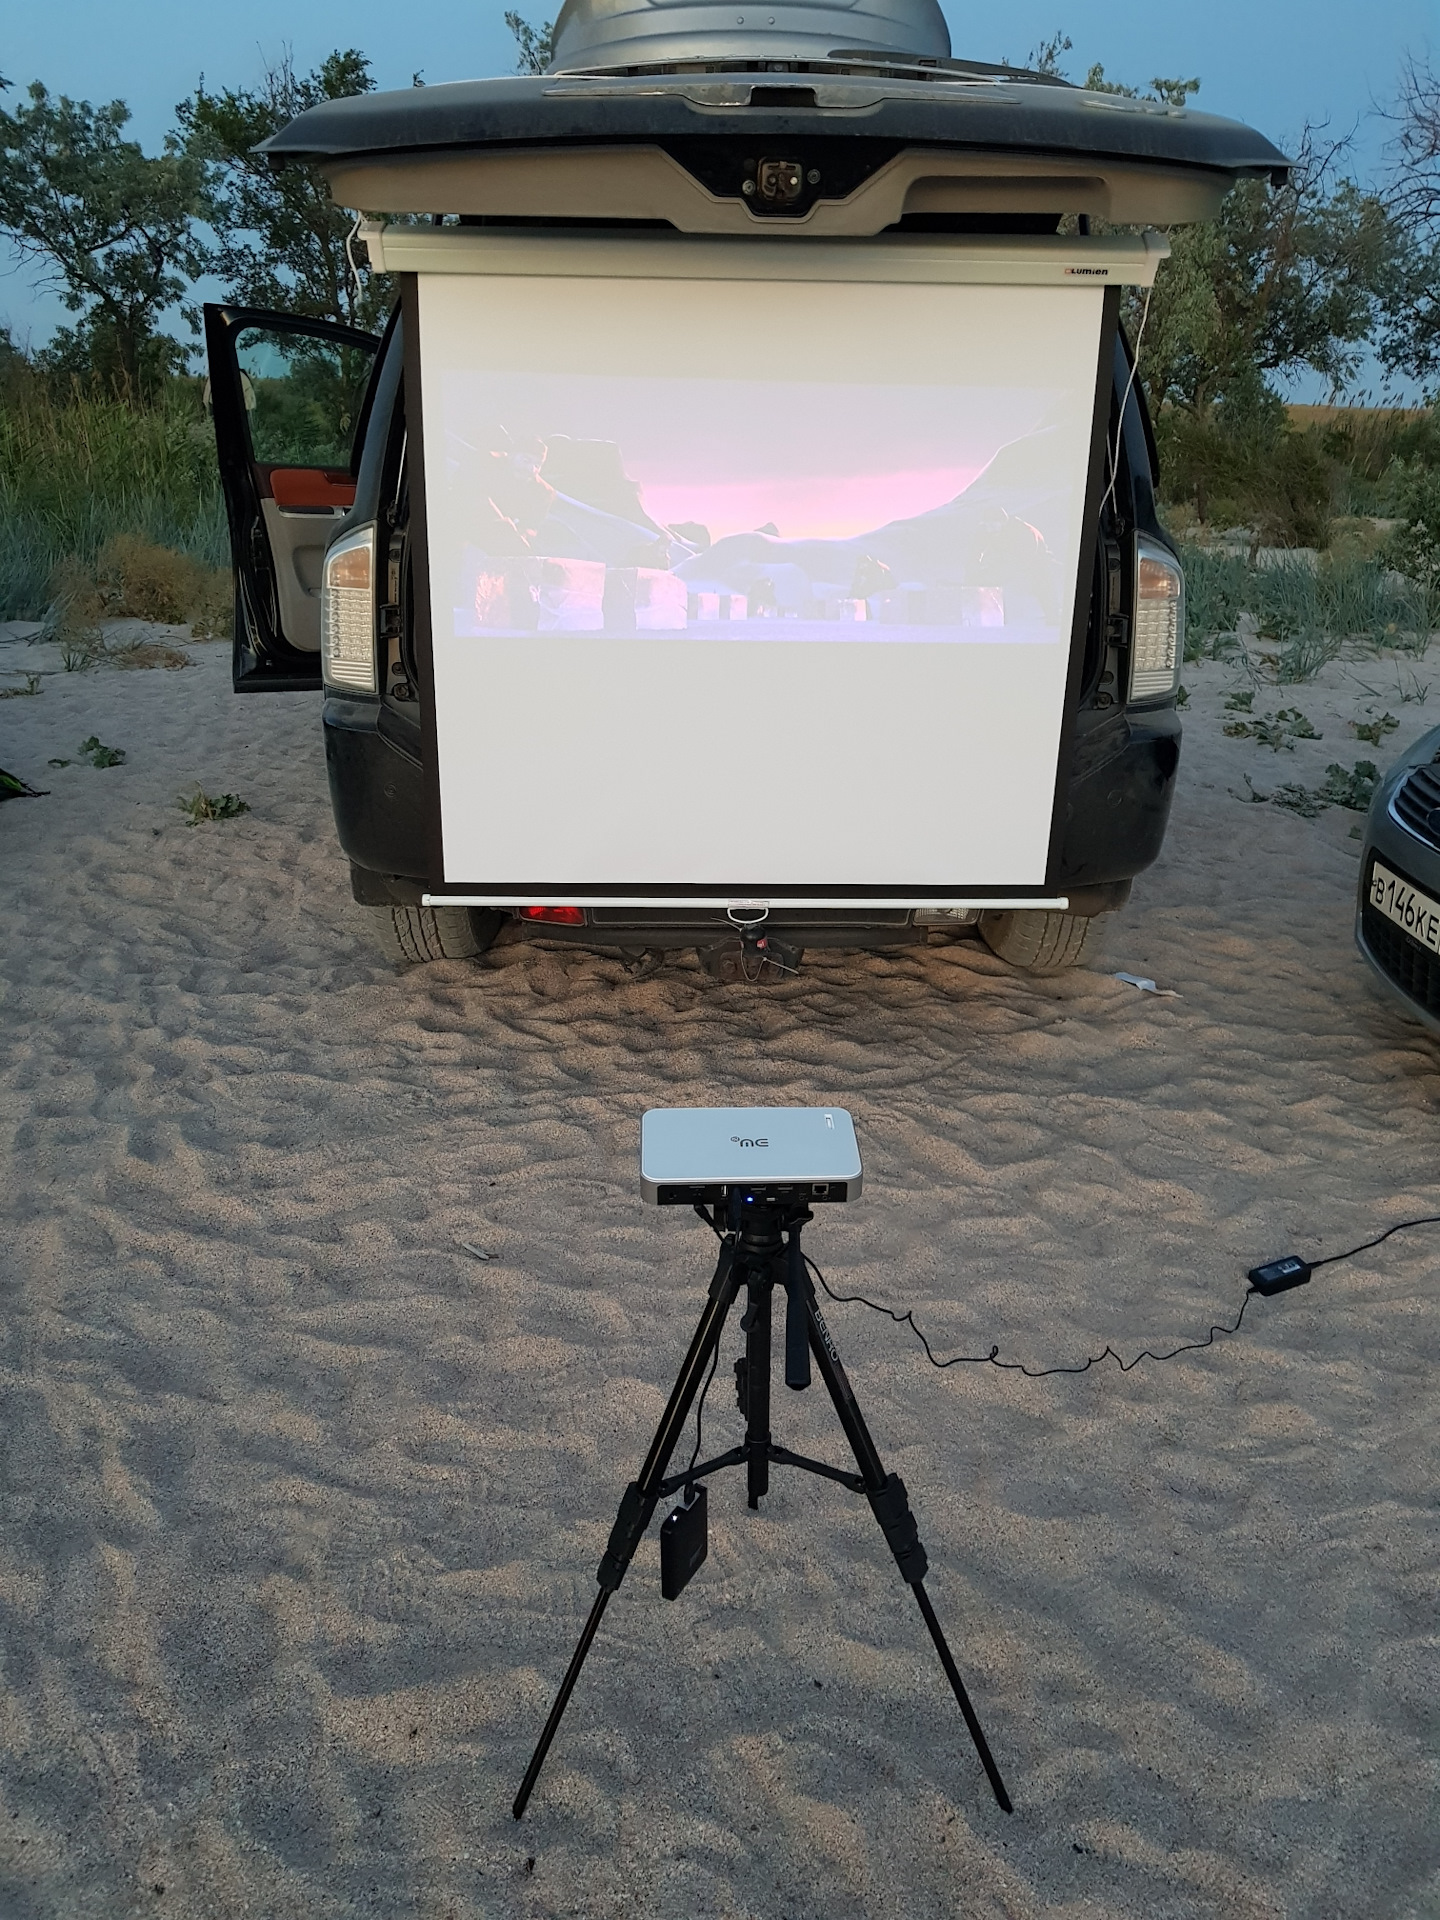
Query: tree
[1174, 93]
[1045, 58]
[1410, 336]
[1416, 191]
[113, 229]
[281, 240]
[1289, 278]
[535, 45]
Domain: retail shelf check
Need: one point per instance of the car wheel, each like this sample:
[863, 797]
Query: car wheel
[1039, 942]
[409, 935]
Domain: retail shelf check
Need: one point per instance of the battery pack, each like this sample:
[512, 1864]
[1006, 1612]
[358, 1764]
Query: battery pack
[684, 1542]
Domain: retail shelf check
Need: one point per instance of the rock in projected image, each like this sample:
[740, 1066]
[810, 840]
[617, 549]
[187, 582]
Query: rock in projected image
[542, 594]
[644, 600]
[560, 542]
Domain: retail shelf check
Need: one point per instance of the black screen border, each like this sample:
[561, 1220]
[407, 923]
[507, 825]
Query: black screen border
[681, 892]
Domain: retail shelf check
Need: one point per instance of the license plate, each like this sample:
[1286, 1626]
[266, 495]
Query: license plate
[1416, 912]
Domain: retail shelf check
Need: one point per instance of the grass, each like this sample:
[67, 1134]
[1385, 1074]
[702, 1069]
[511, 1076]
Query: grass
[1298, 615]
[81, 468]
[110, 508]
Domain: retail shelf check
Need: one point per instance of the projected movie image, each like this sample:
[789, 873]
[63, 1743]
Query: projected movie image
[733, 510]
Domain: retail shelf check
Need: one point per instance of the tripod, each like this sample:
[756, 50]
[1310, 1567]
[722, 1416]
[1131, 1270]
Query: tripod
[760, 1249]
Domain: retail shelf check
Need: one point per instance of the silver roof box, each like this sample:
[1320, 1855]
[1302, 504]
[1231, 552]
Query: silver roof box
[592, 34]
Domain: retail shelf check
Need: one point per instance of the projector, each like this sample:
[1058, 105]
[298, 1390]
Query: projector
[772, 1155]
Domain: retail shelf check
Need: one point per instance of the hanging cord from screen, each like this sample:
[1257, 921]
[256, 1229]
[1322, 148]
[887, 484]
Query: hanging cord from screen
[351, 262]
[992, 1359]
[1129, 389]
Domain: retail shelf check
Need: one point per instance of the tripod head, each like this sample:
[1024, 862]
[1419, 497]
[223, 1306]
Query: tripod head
[765, 1234]
[758, 1221]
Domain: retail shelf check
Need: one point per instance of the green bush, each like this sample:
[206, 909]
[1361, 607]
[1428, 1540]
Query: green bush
[1253, 472]
[1415, 547]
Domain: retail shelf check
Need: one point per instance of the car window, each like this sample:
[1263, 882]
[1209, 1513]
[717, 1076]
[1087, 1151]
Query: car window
[302, 396]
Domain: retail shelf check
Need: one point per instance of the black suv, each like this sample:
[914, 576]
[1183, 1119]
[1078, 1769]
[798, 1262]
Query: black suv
[660, 124]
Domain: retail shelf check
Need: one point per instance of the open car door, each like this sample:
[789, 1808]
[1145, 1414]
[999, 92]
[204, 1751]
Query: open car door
[288, 396]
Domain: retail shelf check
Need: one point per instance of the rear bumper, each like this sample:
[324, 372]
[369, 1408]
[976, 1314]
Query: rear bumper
[377, 794]
[1121, 786]
[1115, 819]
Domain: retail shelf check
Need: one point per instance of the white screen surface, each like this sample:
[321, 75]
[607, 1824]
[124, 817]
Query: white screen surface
[758, 586]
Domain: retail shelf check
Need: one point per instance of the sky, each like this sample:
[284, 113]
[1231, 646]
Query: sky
[822, 460]
[1273, 63]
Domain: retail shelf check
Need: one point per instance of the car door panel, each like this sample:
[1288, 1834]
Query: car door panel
[288, 398]
[309, 489]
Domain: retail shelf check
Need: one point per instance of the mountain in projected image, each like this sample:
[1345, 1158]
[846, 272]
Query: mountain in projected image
[563, 543]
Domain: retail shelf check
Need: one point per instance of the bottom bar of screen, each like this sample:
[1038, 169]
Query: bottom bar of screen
[725, 901]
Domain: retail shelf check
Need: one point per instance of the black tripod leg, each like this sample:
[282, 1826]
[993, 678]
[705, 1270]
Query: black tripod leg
[957, 1687]
[638, 1505]
[891, 1506]
[797, 1316]
[757, 1391]
[562, 1700]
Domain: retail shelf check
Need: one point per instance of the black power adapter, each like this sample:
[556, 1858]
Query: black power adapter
[684, 1543]
[1278, 1276]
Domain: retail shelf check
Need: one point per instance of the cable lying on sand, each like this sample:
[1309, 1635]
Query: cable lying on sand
[1276, 1276]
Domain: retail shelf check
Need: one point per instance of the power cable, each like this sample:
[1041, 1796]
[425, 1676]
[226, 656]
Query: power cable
[1302, 1271]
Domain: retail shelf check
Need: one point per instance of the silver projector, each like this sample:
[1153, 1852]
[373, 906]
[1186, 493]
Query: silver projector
[770, 1154]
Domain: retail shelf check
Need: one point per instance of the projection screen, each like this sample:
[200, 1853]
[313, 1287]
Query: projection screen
[753, 567]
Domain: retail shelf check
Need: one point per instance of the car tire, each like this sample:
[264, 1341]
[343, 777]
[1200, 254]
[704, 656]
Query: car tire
[1039, 942]
[409, 936]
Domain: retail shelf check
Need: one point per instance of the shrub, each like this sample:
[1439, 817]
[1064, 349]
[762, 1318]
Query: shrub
[1252, 472]
[132, 577]
[1414, 548]
[138, 578]
[200, 806]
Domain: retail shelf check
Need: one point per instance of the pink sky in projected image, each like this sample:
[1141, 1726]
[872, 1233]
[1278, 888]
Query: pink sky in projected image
[818, 507]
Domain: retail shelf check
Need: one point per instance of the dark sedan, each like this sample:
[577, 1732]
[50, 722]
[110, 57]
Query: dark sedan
[1397, 920]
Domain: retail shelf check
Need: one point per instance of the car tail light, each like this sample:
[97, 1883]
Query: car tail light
[347, 613]
[1158, 643]
[555, 916]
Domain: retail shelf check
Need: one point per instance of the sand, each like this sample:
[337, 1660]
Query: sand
[301, 1503]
